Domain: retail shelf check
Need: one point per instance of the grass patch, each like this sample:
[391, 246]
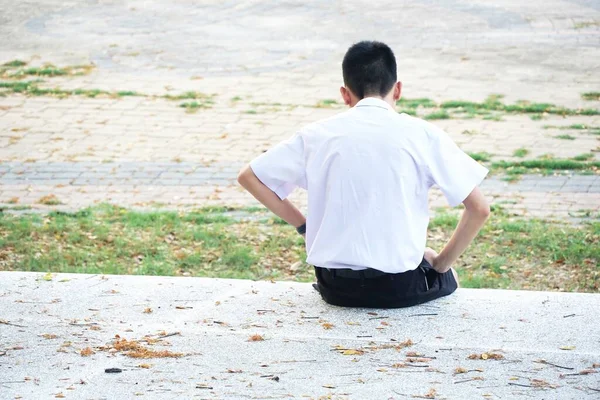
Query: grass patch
[32, 88]
[518, 253]
[510, 252]
[14, 64]
[193, 106]
[565, 137]
[190, 95]
[483, 156]
[13, 70]
[113, 240]
[415, 103]
[590, 96]
[548, 164]
[441, 114]
[491, 108]
[583, 157]
[521, 152]
[326, 103]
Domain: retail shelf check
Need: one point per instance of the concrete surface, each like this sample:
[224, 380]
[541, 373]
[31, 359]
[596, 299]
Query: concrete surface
[212, 320]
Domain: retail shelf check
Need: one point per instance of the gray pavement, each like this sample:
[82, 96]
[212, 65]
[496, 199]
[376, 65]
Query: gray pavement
[548, 342]
[267, 65]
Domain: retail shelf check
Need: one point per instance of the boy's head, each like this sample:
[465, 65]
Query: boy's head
[369, 70]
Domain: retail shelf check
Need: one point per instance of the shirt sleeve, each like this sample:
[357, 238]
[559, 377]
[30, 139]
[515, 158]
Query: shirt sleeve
[282, 168]
[451, 169]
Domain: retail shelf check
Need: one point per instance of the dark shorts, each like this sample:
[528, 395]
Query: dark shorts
[374, 289]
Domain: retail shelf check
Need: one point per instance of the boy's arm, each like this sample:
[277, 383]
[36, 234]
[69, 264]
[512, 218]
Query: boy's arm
[477, 211]
[282, 208]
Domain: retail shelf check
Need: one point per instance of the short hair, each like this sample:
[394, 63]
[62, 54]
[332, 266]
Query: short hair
[369, 68]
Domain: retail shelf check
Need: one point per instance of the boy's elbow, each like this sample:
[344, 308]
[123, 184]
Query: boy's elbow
[244, 175]
[484, 210]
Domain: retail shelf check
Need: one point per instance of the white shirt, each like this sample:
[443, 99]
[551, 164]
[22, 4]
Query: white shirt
[368, 172]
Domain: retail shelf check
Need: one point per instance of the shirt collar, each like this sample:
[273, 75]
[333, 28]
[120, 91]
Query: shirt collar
[374, 102]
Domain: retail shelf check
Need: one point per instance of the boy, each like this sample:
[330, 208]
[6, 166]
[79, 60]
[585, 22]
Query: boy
[368, 172]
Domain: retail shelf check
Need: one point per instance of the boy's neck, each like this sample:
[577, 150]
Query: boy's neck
[388, 99]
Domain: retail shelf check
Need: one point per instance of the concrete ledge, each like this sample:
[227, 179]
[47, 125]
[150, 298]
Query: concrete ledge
[299, 356]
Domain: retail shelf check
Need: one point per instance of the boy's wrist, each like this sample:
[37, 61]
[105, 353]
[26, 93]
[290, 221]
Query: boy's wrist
[301, 229]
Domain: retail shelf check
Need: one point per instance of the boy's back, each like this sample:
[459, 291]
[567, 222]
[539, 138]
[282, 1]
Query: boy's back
[368, 172]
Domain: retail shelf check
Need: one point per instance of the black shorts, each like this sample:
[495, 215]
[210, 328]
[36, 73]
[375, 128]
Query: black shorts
[375, 289]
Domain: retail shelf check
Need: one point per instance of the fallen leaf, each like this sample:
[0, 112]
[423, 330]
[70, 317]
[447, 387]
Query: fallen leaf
[148, 310]
[145, 366]
[256, 338]
[486, 356]
[567, 347]
[60, 396]
[47, 277]
[460, 370]
[49, 336]
[329, 386]
[86, 352]
[327, 325]
[352, 352]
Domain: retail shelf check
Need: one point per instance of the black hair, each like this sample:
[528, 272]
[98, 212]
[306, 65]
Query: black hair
[369, 68]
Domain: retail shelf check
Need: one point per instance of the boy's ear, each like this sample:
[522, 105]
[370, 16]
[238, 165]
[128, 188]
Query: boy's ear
[346, 95]
[397, 91]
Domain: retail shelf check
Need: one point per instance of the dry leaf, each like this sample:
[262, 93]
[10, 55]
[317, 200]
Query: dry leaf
[460, 370]
[567, 347]
[486, 356]
[256, 338]
[353, 352]
[95, 328]
[327, 325]
[86, 352]
[329, 386]
[145, 366]
[148, 310]
[49, 336]
[60, 396]
[429, 395]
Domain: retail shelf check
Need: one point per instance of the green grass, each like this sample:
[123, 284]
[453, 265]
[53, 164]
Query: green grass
[14, 64]
[32, 88]
[441, 114]
[12, 70]
[536, 117]
[415, 103]
[510, 252]
[190, 95]
[491, 108]
[583, 157]
[521, 152]
[326, 103]
[518, 253]
[482, 156]
[565, 137]
[590, 96]
[193, 106]
[548, 164]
